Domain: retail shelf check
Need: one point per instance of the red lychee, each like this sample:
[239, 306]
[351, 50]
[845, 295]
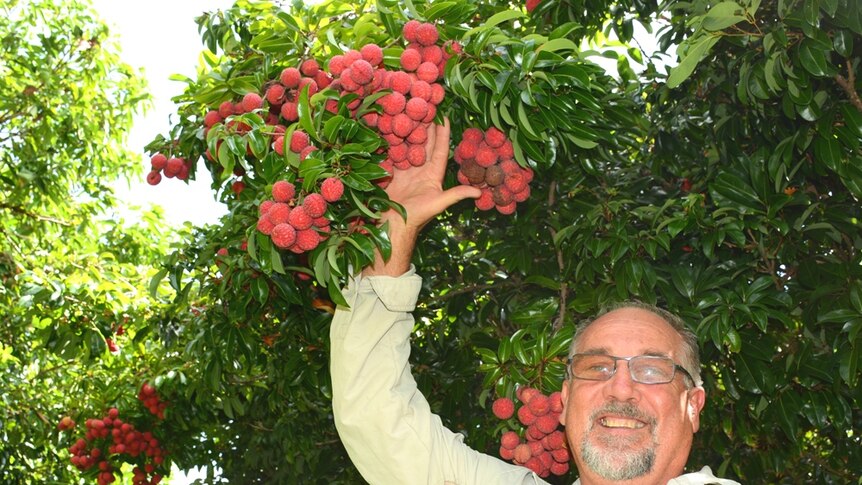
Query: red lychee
[237, 187]
[298, 141]
[265, 206]
[416, 109]
[531, 5]
[510, 440]
[522, 453]
[283, 235]
[299, 218]
[398, 152]
[473, 135]
[275, 94]
[548, 423]
[158, 161]
[410, 30]
[393, 103]
[426, 34]
[278, 213]
[309, 67]
[486, 156]
[494, 137]
[314, 205]
[400, 82]
[402, 125]
[507, 454]
[411, 59]
[485, 202]
[290, 77]
[416, 155]
[251, 102]
[362, 72]
[418, 136]
[525, 416]
[428, 72]
[289, 111]
[264, 225]
[225, 109]
[372, 53]
[154, 177]
[336, 65]
[212, 117]
[503, 408]
[307, 239]
[283, 191]
[421, 90]
[174, 167]
[437, 93]
[331, 189]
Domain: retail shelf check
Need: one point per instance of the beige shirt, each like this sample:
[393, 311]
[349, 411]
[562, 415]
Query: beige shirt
[383, 420]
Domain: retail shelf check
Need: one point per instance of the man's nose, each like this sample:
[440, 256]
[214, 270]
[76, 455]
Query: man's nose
[621, 386]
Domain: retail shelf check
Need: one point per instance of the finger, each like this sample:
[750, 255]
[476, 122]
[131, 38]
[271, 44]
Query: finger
[439, 151]
[455, 194]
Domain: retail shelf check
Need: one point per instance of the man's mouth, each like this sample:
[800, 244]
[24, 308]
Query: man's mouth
[611, 422]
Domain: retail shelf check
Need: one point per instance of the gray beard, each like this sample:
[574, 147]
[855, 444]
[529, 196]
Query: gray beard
[621, 463]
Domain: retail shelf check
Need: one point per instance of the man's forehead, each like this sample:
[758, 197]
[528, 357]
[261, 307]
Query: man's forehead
[635, 330]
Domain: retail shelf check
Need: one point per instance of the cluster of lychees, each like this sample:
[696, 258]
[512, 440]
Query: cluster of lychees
[487, 162]
[170, 167]
[149, 396]
[298, 227]
[411, 105]
[544, 450]
[108, 437]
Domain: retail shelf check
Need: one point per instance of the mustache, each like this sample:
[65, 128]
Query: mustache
[624, 409]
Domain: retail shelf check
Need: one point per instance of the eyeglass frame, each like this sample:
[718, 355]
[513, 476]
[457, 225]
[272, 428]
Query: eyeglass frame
[571, 374]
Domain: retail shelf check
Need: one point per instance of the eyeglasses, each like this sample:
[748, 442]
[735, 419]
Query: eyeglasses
[646, 369]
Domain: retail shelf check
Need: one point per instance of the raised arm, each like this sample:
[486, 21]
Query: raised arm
[383, 420]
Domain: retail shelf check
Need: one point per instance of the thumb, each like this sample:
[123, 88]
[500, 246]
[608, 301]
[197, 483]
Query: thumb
[456, 194]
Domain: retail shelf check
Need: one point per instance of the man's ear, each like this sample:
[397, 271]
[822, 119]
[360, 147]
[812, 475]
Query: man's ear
[696, 401]
[564, 394]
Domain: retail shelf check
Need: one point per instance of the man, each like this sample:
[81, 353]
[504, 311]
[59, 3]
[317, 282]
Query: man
[631, 403]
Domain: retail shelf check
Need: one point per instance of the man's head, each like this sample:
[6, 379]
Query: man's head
[622, 429]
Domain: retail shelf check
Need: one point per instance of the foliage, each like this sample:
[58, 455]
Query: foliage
[70, 277]
[727, 191]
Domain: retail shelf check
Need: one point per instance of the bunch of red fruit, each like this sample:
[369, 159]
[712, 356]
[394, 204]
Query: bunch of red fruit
[487, 162]
[170, 167]
[298, 227]
[149, 396]
[108, 437]
[544, 449]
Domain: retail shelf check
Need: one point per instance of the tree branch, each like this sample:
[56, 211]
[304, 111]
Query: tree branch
[848, 84]
[20, 210]
[564, 287]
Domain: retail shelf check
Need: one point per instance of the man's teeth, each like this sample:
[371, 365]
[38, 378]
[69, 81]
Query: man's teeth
[621, 423]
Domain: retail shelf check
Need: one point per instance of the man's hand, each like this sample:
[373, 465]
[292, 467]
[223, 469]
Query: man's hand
[420, 191]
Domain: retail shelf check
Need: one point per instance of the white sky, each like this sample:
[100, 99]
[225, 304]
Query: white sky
[161, 37]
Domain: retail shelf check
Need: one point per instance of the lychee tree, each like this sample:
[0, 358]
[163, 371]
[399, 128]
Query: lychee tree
[725, 190]
[722, 191]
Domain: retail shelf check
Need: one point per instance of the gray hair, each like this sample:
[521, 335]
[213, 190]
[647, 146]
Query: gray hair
[690, 358]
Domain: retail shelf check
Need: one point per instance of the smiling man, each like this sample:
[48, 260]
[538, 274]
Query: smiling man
[632, 398]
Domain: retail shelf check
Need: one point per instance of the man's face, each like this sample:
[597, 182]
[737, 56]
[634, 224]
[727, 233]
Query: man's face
[620, 429]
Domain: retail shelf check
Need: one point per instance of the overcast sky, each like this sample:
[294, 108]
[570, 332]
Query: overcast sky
[161, 37]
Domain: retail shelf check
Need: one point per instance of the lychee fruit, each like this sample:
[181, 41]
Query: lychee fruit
[289, 111]
[426, 34]
[278, 213]
[264, 225]
[428, 72]
[416, 108]
[372, 53]
[299, 218]
[402, 125]
[309, 67]
[411, 59]
[494, 137]
[307, 239]
[158, 161]
[275, 94]
[410, 30]
[283, 235]
[173, 167]
[251, 102]
[331, 189]
[225, 109]
[393, 103]
[361, 72]
[298, 141]
[283, 191]
[336, 65]
[211, 118]
[314, 205]
[400, 82]
[522, 453]
[510, 440]
[154, 177]
[503, 408]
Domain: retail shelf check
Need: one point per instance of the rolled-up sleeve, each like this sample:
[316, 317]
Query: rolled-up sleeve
[383, 420]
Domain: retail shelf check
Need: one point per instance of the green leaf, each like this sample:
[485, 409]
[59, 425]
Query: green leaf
[556, 45]
[813, 59]
[696, 50]
[495, 20]
[722, 16]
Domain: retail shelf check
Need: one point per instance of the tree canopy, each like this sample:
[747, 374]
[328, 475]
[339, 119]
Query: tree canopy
[725, 189]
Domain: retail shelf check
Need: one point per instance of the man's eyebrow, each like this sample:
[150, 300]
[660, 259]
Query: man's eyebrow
[656, 353]
[596, 351]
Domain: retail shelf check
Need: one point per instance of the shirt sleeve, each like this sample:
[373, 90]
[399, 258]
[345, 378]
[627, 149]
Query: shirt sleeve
[383, 420]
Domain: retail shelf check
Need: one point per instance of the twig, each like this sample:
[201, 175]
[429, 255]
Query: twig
[20, 210]
[564, 287]
[848, 84]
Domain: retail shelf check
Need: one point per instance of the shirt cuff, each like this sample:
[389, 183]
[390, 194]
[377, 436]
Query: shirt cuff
[397, 293]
